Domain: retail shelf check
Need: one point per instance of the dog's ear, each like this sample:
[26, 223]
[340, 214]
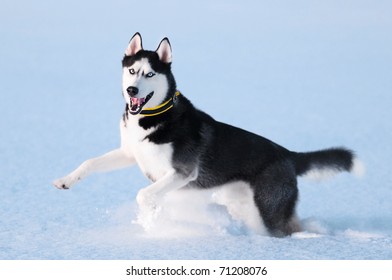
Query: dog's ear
[164, 51]
[135, 45]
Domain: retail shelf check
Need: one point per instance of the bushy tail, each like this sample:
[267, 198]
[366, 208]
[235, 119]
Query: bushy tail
[325, 163]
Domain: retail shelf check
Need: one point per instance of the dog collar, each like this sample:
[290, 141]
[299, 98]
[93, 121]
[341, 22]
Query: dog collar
[162, 108]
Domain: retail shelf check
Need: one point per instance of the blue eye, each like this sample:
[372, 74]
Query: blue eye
[132, 71]
[150, 74]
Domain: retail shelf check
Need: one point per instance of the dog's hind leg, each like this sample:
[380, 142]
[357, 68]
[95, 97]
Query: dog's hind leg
[238, 199]
[113, 160]
[275, 195]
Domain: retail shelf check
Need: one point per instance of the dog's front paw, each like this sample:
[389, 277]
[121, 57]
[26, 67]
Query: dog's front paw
[64, 183]
[147, 200]
[149, 209]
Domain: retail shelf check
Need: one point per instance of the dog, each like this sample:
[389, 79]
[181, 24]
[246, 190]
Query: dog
[178, 146]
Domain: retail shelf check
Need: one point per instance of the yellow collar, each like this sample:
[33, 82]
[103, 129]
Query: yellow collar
[162, 108]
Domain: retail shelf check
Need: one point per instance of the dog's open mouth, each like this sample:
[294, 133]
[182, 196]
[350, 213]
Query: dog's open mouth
[137, 104]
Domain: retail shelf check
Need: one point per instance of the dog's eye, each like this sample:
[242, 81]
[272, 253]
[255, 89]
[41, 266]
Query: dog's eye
[132, 71]
[150, 74]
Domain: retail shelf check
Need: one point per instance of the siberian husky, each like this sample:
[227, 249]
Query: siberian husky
[178, 146]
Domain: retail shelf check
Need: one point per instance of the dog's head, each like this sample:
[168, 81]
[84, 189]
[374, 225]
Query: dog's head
[147, 80]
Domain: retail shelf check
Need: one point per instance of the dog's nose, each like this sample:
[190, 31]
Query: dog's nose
[132, 91]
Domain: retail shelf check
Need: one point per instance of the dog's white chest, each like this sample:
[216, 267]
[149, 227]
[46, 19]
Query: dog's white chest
[154, 160]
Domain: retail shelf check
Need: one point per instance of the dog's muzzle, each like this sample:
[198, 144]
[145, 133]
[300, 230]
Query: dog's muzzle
[137, 104]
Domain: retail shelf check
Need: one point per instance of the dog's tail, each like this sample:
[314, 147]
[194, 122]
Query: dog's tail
[326, 163]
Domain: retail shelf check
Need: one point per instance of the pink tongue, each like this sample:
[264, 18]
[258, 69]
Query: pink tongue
[137, 101]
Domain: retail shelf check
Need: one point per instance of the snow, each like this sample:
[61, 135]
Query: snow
[305, 74]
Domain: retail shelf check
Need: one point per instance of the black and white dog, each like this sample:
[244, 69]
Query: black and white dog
[177, 146]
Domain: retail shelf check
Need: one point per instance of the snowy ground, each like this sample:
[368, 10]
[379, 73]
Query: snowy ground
[306, 74]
